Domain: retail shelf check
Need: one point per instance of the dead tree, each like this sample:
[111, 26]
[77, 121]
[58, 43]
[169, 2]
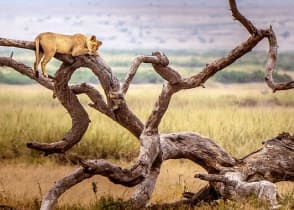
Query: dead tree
[228, 177]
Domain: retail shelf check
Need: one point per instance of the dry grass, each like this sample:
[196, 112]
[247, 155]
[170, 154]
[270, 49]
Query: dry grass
[24, 184]
[238, 117]
[27, 181]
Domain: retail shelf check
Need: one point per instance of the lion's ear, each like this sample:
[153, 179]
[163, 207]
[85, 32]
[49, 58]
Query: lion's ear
[99, 42]
[93, 38]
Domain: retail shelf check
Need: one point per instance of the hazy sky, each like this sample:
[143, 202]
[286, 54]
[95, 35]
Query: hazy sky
[25, 4]
[128, 24]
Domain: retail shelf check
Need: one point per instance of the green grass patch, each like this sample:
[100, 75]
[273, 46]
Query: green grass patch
[247, 77]
[186, 62]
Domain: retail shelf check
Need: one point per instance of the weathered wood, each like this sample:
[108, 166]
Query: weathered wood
[206, 194]
[61, 186]
[242, 19]
[270, 65]
[31, 46]
[228, 177]
[199, 149]
[25, 70]
[274, 162]
[80, 118]
[233, 185]
[115, 100]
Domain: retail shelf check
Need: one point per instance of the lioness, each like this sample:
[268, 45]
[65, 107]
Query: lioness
[51, 43]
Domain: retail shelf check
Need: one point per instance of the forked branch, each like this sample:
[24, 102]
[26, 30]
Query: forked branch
[227, 175]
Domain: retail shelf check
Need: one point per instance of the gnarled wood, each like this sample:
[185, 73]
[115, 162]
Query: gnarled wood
[270, 65]
[69, 100]
[274, 162]
[228, 177]
[199, 149]
[232, 185]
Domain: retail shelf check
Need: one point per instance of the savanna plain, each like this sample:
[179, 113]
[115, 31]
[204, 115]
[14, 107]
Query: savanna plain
[237, 116]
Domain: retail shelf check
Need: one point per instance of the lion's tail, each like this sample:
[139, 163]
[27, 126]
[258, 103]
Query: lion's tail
[37, 54]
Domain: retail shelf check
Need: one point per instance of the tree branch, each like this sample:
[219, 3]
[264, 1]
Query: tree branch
[95, 96]
[115, 99]
[242, 19]
[167, 73]
[26, 70]
[31, 46]
[109, 82]
[159, 109]
[274, 162]
[17, 43]
[234, 186]
[270, 65]
[69, 100]
[199, 149]
[207, 154]
[61, 186]
[155, 148]
[158, 59]
[217, 65]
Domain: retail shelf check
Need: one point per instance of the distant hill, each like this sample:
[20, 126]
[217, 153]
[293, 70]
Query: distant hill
[149, 24]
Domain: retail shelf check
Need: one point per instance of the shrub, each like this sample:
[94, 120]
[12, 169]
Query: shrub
[244, 77]
[15, 78]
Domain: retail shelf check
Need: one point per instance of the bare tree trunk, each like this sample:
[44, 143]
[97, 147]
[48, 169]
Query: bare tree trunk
[228, 177]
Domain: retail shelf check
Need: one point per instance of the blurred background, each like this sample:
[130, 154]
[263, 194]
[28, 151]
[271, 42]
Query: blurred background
[236, 109]
[192, 33]
[148, 24]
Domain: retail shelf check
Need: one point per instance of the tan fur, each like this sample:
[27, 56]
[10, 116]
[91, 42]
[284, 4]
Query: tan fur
[51, 43]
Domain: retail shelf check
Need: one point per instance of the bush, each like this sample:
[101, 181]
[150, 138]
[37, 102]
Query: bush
[285, 61]
[15, 78]
[244, 77]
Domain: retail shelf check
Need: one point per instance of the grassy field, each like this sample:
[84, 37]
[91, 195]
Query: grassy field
[18, 189]
[238, 117]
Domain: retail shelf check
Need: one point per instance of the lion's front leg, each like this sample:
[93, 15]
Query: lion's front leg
[80, 51]
[94, 53]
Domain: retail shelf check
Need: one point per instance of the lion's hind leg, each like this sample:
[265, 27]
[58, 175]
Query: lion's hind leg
[37, 62]
[48, 56]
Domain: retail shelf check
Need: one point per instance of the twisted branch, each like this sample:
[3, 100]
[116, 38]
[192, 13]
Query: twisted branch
[69, 100]
[233, 185]
[155, 147]
[270, 65]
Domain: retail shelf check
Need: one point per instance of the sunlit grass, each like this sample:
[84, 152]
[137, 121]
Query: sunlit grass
[238, 118]
[23, 191]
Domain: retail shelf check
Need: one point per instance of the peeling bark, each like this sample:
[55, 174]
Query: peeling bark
[228, 177]
[232, 185]
[274, 162]
[199, 149]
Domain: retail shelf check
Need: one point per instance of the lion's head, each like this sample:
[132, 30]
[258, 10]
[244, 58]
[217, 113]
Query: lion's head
[93, 44]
